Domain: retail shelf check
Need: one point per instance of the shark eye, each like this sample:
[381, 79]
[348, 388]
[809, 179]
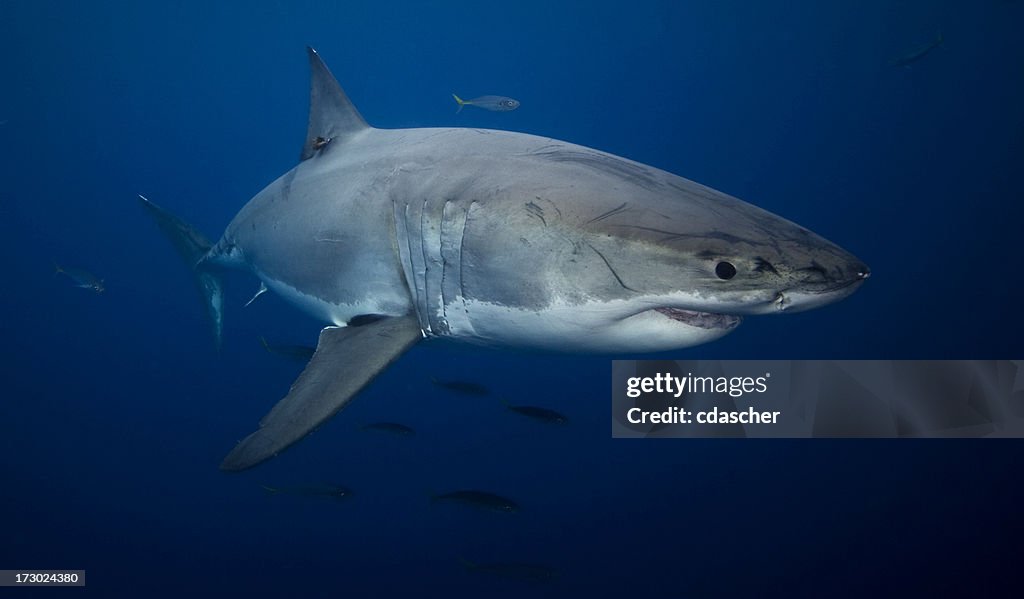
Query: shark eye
[725, 271]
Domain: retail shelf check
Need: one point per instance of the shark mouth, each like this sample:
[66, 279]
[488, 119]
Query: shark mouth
[702, 320]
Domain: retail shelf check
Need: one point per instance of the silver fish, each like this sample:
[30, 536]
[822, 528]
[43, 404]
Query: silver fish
[392, 428]
[82, 278]
[522, 571]
[540, 414]
[302, 353]
[918, 53]
[463, 387]
[480, 500]
[493, 103]
[334, 492]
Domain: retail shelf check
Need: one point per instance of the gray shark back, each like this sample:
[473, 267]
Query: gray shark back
[545, 226]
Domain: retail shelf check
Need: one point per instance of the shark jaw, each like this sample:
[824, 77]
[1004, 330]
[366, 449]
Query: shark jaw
[645, 324]
[601, 327]
[703, 320]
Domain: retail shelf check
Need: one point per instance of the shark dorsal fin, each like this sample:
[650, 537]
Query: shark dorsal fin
[332, 116]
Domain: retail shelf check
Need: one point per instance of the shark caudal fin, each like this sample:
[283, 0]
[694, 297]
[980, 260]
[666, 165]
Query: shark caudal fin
[193, 247]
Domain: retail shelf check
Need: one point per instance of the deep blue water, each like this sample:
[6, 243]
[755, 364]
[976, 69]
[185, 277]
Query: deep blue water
[116, 409]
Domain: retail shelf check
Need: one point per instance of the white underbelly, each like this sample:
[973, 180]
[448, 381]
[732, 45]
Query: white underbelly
[336, 313]
[594, 327]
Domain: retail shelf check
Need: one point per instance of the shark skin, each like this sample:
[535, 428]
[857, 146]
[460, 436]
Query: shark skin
[498, 238]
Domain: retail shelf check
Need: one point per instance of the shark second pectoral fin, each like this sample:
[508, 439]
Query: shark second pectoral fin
[259, 292]
[346, 360]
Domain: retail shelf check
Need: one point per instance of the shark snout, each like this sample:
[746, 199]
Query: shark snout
[857, 272]
[821, 286]
[854, 272]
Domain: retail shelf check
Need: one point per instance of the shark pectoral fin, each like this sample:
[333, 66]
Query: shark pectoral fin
[259, 292]
[346, 360]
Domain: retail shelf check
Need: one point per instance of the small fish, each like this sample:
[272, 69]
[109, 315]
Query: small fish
[82, 278]
[389, 427]
[493, 103]
[525, 572]
[463, 387]
[296, 352]
[538, 413]
[334, 492]
[911, 57]
[479, 499]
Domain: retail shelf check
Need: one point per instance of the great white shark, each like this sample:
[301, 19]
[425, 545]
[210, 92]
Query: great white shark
[497, 238]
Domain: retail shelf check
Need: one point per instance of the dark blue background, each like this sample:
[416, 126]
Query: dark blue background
[116, 410]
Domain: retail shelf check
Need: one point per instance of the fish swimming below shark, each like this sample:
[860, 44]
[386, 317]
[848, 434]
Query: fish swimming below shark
[302, 353]
[393, 237]
[462, 387]
[918, 53]
[80, 277]
[539, 414]
[481, 500]
[333, 492]
[519, 571]
[391, 428]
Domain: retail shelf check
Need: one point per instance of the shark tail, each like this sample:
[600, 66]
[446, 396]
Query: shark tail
[193, 247]
[467, 564]
[460, 102]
